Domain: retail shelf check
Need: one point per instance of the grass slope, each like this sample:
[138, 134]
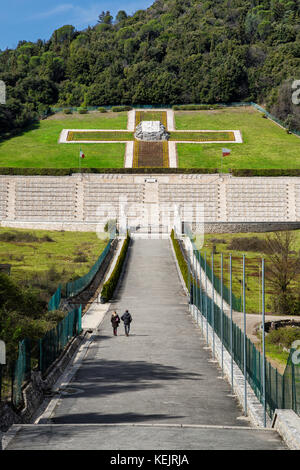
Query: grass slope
[265, 145]
[67, 255]
[38, 147]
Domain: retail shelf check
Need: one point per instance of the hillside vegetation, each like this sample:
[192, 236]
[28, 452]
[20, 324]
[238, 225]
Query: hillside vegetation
[176, 51]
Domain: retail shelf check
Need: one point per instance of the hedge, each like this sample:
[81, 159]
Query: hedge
[266, 172]
[119, 109]
[69, 171]
[182, 171]
[110, 285]
[180, 259]
[196, 107]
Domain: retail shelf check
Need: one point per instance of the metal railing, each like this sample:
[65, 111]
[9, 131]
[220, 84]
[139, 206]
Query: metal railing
[42, 353]
[36, 355]
[274, 390]
[75, 287]
[55, 300]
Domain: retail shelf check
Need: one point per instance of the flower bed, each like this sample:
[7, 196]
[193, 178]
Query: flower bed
[202, 136]
[100, 136]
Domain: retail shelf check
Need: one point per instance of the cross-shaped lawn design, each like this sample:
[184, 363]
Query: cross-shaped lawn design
[145, 154]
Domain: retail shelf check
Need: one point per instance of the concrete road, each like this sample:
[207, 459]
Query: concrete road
[138, 391]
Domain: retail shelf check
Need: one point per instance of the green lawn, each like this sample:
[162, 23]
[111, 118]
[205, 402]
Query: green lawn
[265, 144]
[39, 147]
[56, 257]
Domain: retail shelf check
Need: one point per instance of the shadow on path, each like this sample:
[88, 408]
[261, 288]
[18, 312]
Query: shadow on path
[118, 418]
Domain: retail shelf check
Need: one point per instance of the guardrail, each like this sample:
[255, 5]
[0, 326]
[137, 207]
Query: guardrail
[273, 390]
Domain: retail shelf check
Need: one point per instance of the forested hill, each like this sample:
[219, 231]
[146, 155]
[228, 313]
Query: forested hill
[176, 51]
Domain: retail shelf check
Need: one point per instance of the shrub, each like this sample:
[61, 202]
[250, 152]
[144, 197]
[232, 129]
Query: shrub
[70, 171]
[102, 110]
[119, 109]
[266, 172]
[284, 337]
[67, 111]
[196, 107]
[82, 110]
[110, 285]
[286, 303]
[180, 258]
[81, 258]
[111, 225]
[23, 237]
[248, 244]
[219, 241]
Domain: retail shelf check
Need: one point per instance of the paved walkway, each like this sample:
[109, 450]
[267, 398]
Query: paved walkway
[157, 388]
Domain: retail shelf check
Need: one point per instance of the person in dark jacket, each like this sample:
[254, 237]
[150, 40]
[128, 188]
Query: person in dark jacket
[127, 319]
[115, 321]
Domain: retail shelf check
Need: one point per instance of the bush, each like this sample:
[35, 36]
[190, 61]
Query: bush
[120, 109]
[283, 337]
[111, 225]
[266, 172]
[286, 303]
[219, 241]
[110, 286]
[196, 107]
[82, 110]
[23, 237]
[129, 171]
[180, 258]
[102, 110]
[67, 111]
[81, 258]
[248, 244]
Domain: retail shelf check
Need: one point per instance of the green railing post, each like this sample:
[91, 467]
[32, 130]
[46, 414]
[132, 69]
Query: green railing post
[245, 329]
[213, 303]
[206, 300]
[200, 282]
[197, 289]
[294, 403]
[189, 280]
[231, 322]
[263, 343]
[222, 319]
[40, 355]
[1, 382]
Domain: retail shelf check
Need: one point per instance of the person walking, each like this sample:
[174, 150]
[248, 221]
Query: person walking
[127, 319]
[115, 321]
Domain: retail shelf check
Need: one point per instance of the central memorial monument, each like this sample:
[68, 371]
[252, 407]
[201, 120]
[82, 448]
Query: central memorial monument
[151, 131]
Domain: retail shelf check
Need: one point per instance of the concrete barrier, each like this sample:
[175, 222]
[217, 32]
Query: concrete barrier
[287, 424]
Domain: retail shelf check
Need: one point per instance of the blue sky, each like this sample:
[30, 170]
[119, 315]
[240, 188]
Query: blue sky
[35, 19]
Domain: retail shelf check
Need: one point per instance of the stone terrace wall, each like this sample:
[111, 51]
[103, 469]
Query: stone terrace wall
[86, 202]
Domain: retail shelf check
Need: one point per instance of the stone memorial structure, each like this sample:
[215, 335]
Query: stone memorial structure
[151, 131]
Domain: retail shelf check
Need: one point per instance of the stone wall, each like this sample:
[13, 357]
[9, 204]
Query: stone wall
[86, 202]
[248, 227]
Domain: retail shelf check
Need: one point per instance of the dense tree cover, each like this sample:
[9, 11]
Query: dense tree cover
[176, 51]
